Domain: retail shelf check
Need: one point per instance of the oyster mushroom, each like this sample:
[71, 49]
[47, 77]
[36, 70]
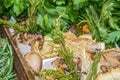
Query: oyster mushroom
[111, 69]
[113, 74]
[69, 36]
[88, 36]
[34, 61]
[78, 46]
[26, 38]
[83, 42]
[96, 47]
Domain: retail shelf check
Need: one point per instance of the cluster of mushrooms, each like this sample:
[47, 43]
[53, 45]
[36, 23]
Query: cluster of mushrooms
[84, 49]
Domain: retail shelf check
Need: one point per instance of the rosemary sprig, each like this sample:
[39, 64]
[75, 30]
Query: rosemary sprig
[57, 36]
[13, 25]
[93, 71]
[57, 74]
[67, 55]
[64, 51]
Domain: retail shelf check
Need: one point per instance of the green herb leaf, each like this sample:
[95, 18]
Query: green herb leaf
[113, 37]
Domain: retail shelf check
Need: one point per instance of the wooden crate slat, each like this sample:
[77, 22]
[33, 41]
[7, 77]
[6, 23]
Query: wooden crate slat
[21, 68]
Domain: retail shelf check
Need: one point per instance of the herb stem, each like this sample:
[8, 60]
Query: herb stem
[12, 25]
[93, 71]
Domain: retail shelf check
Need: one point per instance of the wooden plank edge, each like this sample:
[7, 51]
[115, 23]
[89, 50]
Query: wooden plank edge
[26, 75]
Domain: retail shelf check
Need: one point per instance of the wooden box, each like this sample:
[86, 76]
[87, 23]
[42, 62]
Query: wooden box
[22, 70]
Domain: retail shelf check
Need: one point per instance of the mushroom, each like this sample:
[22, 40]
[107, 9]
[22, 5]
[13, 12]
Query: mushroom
[34, 61]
